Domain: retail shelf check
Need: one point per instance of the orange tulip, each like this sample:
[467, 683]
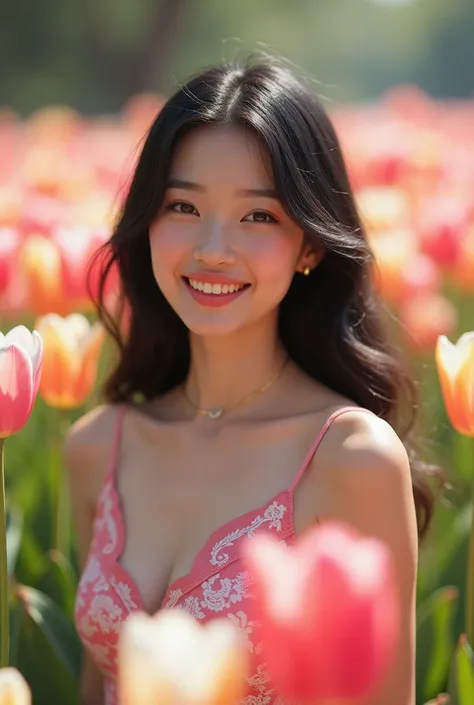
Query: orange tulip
[56, 269]
[13, 688]
[71, 353]
[173, 660]
[455, 363]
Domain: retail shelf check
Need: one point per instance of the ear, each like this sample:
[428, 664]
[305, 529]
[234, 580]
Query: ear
[309, 257]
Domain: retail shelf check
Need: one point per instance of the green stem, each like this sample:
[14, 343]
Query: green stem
[61, 509]
[4, 601]
[470, 564]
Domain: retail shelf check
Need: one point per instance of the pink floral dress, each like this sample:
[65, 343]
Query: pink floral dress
[216, 585]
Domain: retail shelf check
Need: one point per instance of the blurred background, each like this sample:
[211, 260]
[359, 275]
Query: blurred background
[80, 83]
[95, 54]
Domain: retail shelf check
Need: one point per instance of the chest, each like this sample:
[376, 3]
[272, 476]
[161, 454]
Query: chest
[179, 495]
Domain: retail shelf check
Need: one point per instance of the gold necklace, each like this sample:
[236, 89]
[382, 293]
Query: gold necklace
[220, 411]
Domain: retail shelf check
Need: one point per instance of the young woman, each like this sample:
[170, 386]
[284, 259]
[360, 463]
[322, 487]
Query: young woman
[255, 389]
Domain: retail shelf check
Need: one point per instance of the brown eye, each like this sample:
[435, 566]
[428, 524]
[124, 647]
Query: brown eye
[182, 207]
[260, 217]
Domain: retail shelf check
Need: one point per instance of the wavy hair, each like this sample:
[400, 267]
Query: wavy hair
[330, 322]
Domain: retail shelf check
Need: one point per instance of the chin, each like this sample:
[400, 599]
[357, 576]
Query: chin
[213, 329]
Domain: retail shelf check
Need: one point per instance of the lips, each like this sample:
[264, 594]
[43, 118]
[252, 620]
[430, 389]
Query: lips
[213, 289]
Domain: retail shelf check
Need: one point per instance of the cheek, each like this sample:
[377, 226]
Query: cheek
[274, 259]
[167, 245]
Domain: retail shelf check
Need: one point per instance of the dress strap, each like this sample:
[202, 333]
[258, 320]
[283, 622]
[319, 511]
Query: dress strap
[117, 438]
[315, 445]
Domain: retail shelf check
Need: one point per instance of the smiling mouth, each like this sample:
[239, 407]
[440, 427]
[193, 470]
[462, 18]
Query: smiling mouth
[213, 288]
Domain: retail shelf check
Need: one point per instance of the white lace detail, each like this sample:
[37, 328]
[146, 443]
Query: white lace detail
[125, 594]
[272, 516]
[191, 605]
[106, 520]
[173, 598]
[231, 591]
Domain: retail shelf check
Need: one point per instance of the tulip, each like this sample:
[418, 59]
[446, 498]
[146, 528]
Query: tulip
[20, 373]
[72, 348]
[13, 688]
[455, 363]
[424, 318]
[173, 660]
[21, 355]
[56, 268]
[9, 243]
[328, 612]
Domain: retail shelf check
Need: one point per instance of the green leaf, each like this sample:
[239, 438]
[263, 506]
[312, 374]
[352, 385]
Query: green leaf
[57, 628]
[435, 638]
[14, 531]
[461, 683]
[58, 582]
[49, 680]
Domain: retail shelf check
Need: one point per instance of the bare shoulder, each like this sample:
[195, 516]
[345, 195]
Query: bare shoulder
[366, 466]
[87, 449]
[362, 443]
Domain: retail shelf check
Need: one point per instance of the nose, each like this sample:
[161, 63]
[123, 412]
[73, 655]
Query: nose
[213, 248]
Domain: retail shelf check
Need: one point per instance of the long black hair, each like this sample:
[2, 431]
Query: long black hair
[330, 322]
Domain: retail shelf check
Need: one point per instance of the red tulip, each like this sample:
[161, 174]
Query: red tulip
[328, 612]
[442, 225]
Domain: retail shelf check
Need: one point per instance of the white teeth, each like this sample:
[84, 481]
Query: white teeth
[217, 289]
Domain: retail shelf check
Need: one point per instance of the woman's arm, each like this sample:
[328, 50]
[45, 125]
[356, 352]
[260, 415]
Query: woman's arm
[86, 456]
[368, 472]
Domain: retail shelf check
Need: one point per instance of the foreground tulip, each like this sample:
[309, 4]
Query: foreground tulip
[72, 348]
[20, 373]
[170, 659]
[13, 688]
[455, 363]
[329, 613]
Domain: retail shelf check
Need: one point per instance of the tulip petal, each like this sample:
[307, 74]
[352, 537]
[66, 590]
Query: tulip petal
[16, 388]
[171, 658]
[463, 388]
[13, 688]
[71, 353]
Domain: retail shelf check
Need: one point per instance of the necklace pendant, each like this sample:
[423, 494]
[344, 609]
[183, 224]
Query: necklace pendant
[214, 413]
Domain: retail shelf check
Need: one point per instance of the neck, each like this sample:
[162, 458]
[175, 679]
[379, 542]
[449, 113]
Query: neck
[225, 369]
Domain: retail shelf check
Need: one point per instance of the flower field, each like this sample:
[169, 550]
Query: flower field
[62, 179]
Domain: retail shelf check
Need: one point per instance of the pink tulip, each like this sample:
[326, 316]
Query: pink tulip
[9, 243]
[21, 355]
[328, 613]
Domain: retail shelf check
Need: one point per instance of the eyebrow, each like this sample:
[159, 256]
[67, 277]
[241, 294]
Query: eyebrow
[244, 193]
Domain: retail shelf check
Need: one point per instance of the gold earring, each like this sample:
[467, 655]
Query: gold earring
[306, 271]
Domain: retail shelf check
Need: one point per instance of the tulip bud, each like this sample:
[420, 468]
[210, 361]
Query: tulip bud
[455, 365]
[20, 372]
[13, 688]
[172, 660]
[72, 348]
[329, 613]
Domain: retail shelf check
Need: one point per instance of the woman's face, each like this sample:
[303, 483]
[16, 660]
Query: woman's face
[223, 250]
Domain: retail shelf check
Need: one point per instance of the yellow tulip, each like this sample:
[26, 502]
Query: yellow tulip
[72, 348]
[13, 688]
[173, 660]
[455, 364]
